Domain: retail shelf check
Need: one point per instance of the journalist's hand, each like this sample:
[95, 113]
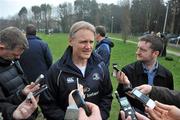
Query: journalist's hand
[95, 112]
[71, 100]
[26, 108]
[122, 78]
[146, 89]
[30, 88]
[164, 112]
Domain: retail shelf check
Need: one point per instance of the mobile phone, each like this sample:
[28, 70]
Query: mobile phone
[143, 98]
[80, 101]
[115, 67]
[39, 91]
[126, 106]
[39, 79]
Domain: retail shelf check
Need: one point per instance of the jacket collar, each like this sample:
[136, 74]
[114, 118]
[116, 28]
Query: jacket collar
[106, 41]
[140, 70]
[4, 62]
[67, 64]
[32, 37]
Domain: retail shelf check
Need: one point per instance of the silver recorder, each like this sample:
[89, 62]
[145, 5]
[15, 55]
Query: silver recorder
[143, 98]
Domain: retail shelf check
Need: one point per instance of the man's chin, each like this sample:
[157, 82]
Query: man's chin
[86, 56]
[139, 59]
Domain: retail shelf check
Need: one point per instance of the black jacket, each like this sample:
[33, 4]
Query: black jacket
[136, 75]
[62, 78]
[165, 96]
[12, 81]
[37, 59]
[103, 48]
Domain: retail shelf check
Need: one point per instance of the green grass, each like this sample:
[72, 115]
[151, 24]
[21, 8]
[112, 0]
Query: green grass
[122, 54]
[135, 39]
[176, 49]
[57, 44]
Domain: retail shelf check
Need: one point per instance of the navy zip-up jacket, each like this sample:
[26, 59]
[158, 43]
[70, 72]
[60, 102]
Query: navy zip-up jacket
[103, 48]
[62, 78]
[37, 59]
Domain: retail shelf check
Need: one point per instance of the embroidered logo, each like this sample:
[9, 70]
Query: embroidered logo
[92, 94]
[70, 80]
[96, 76]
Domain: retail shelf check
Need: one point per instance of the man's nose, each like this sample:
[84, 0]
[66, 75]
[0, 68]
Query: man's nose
[89, 45]
[137, 51]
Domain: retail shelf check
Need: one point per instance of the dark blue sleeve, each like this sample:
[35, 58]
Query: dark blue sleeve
[104, 51]
[47, 55]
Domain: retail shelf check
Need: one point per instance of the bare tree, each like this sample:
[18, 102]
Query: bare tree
[37, 14]
[175, 9]
[46, 15]
[65, 16]
[23, 17]
[125, 19]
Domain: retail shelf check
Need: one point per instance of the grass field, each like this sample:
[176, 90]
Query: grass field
[122, 54]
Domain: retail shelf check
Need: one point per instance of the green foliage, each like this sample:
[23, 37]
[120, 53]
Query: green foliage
[22, 12]
[36, 11]
[122, 54]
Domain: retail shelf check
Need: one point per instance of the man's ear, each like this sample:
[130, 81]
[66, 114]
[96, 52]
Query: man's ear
[156, 53]
[70, 41]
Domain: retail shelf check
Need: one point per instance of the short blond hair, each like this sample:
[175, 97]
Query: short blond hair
[80, 25]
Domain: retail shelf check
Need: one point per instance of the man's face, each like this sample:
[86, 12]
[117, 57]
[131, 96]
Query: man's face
[9, 54]
[82, 44]
[144, 52]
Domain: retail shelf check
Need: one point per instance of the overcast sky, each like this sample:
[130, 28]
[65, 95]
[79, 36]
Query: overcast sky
[12, 7]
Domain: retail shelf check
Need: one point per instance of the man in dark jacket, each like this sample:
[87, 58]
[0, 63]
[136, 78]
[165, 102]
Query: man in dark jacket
[104, 44]
[146, 70]
[37, 59]
[79, 64]
[13, 86]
